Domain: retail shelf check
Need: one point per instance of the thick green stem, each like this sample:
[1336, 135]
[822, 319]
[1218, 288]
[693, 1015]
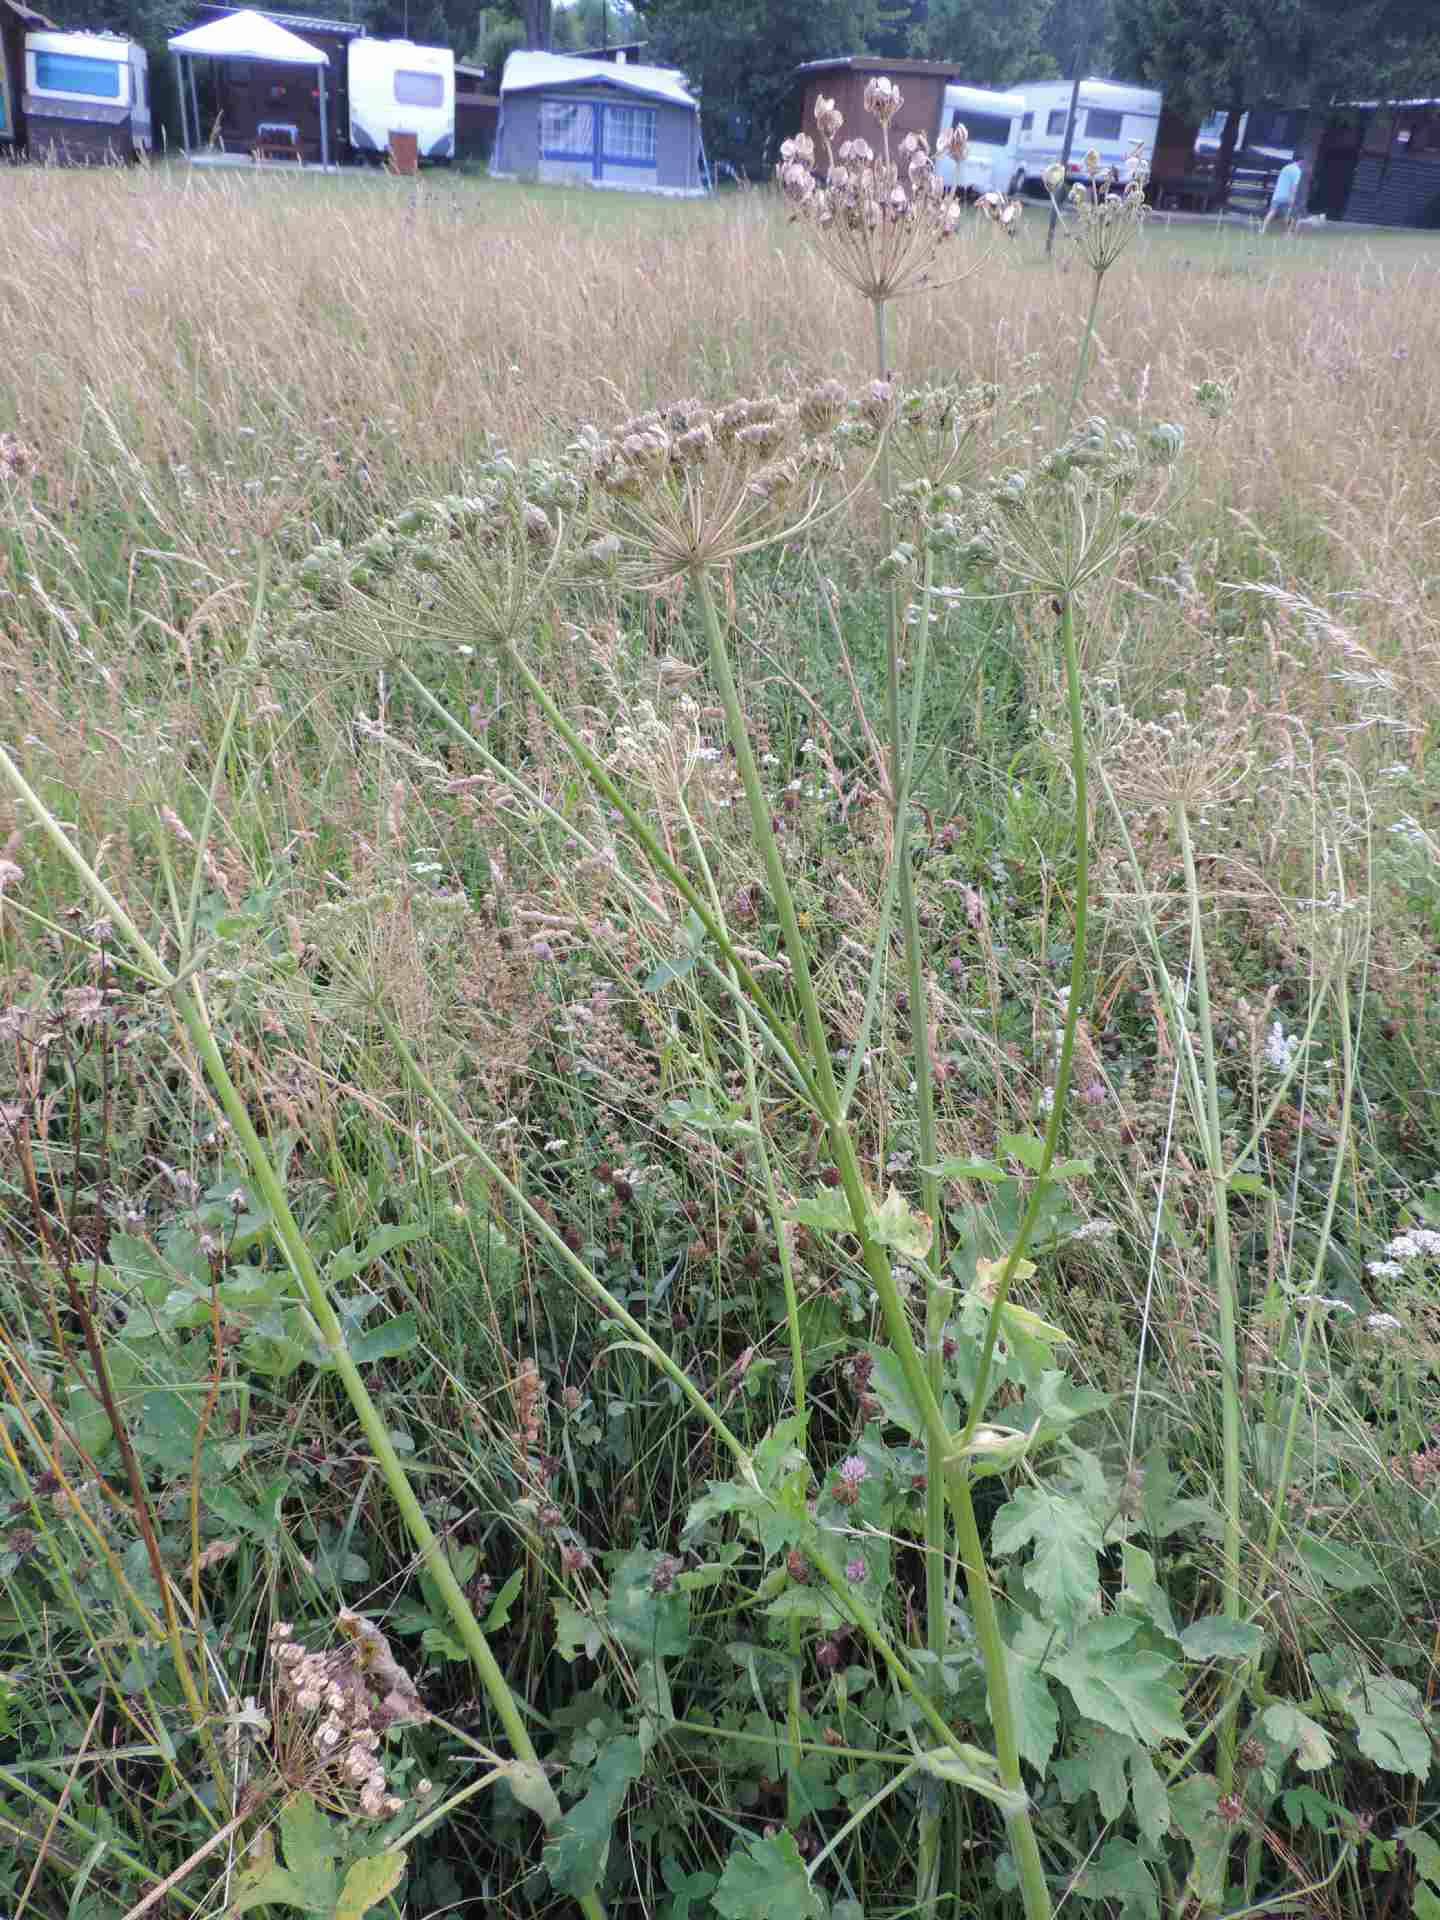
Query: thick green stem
[939, 1443]
[1082, 359]
[1061, 1086]
[902, 760]
[1300, 1396]
[1224, 1267]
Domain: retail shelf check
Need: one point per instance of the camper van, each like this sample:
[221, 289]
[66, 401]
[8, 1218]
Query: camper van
[993, 122]
[87, 96]
[397, 87]
[1111, 118]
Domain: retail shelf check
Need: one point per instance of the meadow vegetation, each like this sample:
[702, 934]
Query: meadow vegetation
[721, 1177]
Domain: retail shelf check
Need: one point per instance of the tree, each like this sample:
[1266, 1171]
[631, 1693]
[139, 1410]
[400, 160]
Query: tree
[1205, 54]
[990, 43]
[741, 56]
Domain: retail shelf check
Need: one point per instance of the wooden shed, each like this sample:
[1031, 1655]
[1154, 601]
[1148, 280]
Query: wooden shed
[922, 85]
[1380, 164]
[15, 20]
[477, 112]
[598, 123]
[238, 98]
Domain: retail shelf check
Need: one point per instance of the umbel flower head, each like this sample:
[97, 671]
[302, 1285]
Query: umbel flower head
[878, 218]
[1104, 215]
[674, 494]
[1055, 526]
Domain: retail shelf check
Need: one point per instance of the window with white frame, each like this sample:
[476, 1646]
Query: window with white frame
[567, 127]
[630, 134]
[419, 89]
[76, 73]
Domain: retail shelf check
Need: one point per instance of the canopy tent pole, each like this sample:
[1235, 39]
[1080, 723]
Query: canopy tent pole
[184, 105]
[324, 123]
[195, 104]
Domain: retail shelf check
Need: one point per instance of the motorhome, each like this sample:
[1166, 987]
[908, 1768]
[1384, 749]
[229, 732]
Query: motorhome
[87, 96]
[992, 121]
[397, 87]
[1110, 118]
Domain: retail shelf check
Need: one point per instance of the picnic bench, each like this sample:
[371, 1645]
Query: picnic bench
[277, 140]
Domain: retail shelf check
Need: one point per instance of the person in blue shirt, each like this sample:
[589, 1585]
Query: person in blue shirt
[1285, 197]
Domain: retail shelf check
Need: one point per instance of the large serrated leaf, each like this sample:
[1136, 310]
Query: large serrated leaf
[1391, 1723]
[1216, 1638]
[644, 1620]
[576, 1855]
[766, 1880]
[1297, 1733]
[309, 1842]
[1134, 1693]
[1064, 1570]
[896, 1224]
[367, 1883]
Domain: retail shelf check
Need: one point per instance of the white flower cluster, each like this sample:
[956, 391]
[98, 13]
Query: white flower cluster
[1280, 1048]
[1416, 1243]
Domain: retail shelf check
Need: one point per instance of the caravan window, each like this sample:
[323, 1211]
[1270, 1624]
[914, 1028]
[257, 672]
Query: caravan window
[630, 134]
[419, 89]
[1027, 123]
[566, 126]
[1055, 125]
[984, 129]
[75, 73]
[1101, 124]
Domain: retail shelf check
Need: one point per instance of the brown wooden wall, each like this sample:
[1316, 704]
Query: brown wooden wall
[476, 118]
[923, 96]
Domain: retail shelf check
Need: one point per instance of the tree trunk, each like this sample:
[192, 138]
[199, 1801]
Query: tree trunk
[536, 21]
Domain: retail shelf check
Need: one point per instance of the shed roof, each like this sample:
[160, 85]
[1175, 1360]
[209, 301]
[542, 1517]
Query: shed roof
[874, 63]
[301, 23]
[249, 36]
[528, 71]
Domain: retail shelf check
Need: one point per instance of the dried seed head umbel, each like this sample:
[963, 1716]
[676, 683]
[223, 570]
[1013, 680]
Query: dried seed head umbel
[676, 494]
[878, 219]
[1104, 216]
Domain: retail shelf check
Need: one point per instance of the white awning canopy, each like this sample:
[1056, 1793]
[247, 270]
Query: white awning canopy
[249, 36]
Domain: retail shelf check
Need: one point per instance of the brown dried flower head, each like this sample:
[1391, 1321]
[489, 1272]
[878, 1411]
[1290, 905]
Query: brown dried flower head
[877, 219]
[675, 494]
[1104, 217]
[329, 1711]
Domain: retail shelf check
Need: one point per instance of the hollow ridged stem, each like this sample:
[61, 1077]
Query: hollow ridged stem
[902, 756]
[1061, 1087]
[1214, 1142]
[938, 1442]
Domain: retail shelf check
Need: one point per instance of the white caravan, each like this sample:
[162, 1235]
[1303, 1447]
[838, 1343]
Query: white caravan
[88, 93]
[993, 122]
[1111, 118]
[397, 87]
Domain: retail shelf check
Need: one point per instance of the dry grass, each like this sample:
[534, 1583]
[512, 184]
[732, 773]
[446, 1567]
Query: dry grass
[203, 366]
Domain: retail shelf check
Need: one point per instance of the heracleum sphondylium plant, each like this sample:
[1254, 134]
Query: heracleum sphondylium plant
[675, 496]
[881, 221]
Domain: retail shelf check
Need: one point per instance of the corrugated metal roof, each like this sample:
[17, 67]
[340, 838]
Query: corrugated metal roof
[526, 70]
